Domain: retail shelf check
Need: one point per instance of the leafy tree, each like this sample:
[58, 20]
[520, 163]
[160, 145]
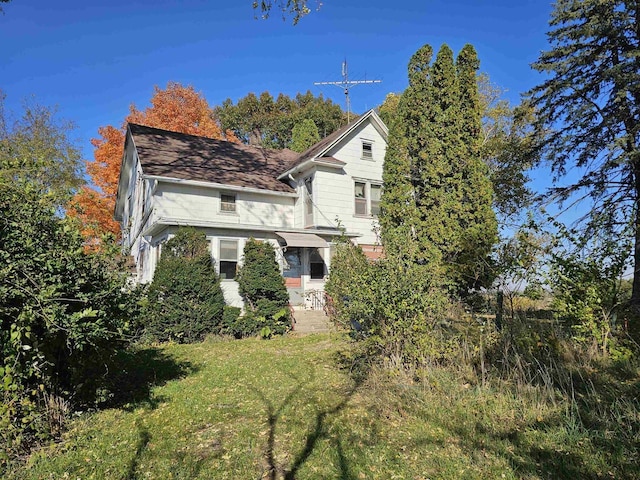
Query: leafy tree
[268, 122]
[347, 265]
[185, 299]
[296, 9]
[36, 148]
[176, 108]
[590, 109]
[262, 287]
[436, 205]
[304, 135]
[389, 108]
[63, 314]
[508, 143]
[397, 309]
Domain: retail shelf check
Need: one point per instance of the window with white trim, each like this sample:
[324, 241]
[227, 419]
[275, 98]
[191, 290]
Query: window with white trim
[228, 260]
[376, 194]
[361, 198]
[228, 202]
[367, 197]
[308, 195]
[367, 150]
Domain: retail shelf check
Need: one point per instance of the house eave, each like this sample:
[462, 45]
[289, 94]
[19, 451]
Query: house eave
[371, 114]
[118, 208]
[219, 186]
[163, 222]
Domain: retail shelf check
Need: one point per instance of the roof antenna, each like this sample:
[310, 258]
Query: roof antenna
[346, 84]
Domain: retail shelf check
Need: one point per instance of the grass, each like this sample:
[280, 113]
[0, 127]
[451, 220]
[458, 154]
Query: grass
[290, 408]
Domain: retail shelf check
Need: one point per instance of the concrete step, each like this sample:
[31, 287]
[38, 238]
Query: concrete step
[311, 321]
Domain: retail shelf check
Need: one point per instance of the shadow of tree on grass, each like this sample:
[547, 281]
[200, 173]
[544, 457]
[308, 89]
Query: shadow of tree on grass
[318, 432]
[136, 371]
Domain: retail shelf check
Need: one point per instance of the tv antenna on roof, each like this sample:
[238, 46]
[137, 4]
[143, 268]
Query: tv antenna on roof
[346, 84]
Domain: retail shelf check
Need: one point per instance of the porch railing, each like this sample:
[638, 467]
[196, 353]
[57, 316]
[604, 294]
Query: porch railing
[314, 299]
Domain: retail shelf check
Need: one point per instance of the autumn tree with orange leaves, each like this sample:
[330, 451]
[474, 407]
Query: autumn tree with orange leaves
[177, 108]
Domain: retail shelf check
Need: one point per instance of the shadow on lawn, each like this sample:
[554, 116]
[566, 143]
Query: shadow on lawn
[137, 371]
[319, 432]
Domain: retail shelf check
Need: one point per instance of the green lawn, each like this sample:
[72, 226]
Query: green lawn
[289, 408]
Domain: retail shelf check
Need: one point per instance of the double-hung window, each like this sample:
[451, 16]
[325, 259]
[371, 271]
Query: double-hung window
[361, 198]
[367, 197]
[367, 150]
[376, 194]
[228, 259]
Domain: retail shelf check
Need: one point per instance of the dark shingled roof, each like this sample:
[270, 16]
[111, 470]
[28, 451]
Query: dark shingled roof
[314, 150]
[188, 157]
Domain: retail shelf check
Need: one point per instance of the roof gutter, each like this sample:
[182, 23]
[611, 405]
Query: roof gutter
[220, 186]
[163, 222]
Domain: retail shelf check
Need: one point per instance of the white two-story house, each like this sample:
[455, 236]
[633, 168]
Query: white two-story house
[297, 202]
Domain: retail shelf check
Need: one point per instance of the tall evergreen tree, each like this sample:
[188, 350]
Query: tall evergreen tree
[590, 103]
[437, 198]
[399, 217]
[478, 221]
[304, 135]
[439, 157]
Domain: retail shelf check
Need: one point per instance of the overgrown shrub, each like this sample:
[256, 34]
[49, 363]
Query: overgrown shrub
[63, 314]
[185, 301]
[399, 310]
[264, 293]
[589, 293]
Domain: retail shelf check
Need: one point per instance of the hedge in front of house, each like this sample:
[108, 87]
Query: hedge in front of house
[185, 298]
[264, 293]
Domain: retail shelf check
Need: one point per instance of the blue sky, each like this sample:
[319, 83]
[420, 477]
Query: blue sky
[93, 59]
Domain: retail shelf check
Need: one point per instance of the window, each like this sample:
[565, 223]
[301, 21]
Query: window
[316, 265]
[361, 198]
[228, 259]
[367, 150]
[367, 198]
[227, 202]
[376, 193]
[308, 197]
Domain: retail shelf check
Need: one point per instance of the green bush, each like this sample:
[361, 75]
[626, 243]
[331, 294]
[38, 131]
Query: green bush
[264, 293]
[185, 301]
[63, 314]
[348, 262]
[398, 310]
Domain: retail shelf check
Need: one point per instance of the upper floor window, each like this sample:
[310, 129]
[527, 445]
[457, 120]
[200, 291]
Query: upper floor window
[228, 202]
[308, 196]
[361, 198]
[376, 194]
[367, 198]
[367, 150]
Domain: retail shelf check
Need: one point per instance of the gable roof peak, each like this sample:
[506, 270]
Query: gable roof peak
[323, 146]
